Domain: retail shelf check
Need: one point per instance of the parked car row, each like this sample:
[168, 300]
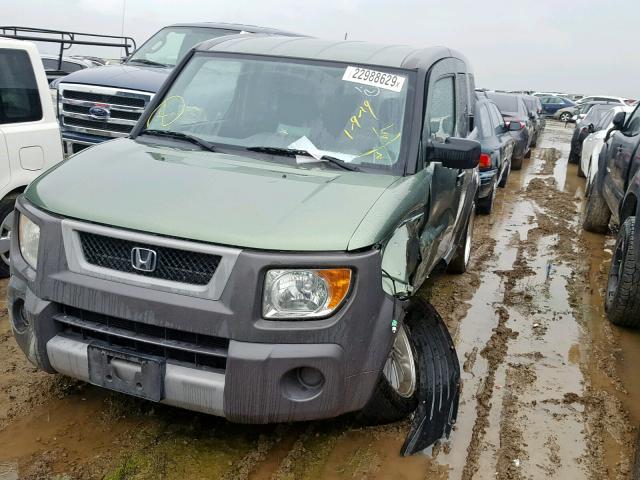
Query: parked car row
[613, 194]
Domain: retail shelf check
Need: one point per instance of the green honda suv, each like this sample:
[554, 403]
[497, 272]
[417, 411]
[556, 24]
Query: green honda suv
[253, 249]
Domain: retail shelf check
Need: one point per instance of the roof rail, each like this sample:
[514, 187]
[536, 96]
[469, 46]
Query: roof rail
[66, 39]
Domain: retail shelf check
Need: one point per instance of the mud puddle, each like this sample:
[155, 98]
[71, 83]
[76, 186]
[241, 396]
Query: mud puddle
[548, 385]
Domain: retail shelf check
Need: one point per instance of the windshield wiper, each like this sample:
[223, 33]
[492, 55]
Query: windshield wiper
[292, 152]
[144, 61]
[181, 136]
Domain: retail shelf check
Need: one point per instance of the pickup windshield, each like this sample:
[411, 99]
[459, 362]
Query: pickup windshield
[170, 44]
[331, 113]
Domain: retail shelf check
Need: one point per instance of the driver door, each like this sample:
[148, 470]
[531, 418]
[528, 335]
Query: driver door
[446, 184]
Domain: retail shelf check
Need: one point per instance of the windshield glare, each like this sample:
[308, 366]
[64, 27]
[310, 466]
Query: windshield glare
[245, 102]
[169, 45]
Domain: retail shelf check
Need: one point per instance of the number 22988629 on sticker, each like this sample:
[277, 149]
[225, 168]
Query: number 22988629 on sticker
[374, 78]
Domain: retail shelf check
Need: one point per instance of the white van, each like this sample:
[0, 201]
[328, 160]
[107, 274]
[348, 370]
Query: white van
[30, 140]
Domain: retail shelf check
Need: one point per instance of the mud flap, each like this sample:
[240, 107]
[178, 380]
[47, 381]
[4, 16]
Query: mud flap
[438, 378]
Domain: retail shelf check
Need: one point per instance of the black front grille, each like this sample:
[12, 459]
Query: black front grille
[104, 98]
[180, 346]
[171, 263]
[118, 114]
[97, 125]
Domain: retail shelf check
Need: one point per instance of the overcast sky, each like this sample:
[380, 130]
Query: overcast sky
[576, 47]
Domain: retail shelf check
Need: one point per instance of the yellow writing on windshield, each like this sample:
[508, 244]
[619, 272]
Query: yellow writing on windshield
[354, 121]
[386, 138]
[169, 110]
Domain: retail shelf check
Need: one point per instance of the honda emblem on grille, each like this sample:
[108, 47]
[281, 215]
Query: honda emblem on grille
[143, 259]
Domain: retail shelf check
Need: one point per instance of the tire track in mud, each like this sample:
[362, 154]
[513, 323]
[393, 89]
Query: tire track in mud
[494, 352]
[603, 413]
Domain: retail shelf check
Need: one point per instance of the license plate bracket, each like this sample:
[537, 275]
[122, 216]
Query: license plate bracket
[131, 373]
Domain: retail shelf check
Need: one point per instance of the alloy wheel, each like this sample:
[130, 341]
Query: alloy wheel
[400, 368]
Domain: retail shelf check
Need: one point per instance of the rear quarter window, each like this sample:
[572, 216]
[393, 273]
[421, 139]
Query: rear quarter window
[19, 97]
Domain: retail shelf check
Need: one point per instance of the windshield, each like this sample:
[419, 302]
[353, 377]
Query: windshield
[352, 114]
[506, 103]
[170, 44]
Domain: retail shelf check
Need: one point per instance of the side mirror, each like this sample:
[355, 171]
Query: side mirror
[515, 126]
[457, 153]
[591, 128]
[618, 120]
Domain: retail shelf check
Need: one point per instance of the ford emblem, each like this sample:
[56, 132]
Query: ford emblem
[99, 112]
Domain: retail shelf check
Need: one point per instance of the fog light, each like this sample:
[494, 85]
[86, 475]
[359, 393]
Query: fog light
[302, 384]
[19, 316]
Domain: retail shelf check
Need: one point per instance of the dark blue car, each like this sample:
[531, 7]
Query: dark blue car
[552, 103]
[497, 149]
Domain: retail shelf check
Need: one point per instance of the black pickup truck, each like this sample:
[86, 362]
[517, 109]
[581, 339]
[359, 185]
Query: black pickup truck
[614, 193]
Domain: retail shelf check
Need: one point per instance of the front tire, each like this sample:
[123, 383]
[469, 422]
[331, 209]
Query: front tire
[396, 394]
[596, 212]
[565, 117]
[622, 302]
[424, 334]
[7, 205]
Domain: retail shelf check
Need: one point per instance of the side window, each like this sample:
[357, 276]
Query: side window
[633, 125]
[486, 128]
[464, 106]
[50, 64]
[441, 116]
[498, 121]
[71, 67]
[19, 98]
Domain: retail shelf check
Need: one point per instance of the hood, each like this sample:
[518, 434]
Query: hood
[133, 77]
[211, 197]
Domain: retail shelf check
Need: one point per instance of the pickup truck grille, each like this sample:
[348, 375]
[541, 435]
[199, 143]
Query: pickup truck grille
[121, 109]
[171, 264]
[195, 349]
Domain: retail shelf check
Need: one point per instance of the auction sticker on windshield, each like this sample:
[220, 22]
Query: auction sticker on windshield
[374, 78]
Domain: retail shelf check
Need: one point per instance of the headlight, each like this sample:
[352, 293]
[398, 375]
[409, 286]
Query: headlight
[29, 238]
[54, 98]
[304, 293]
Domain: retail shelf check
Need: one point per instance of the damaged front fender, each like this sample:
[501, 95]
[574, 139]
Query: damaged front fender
[438, 377]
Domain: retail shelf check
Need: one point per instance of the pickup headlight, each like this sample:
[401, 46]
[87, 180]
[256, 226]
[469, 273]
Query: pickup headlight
[29, 238]
[316, 293]
[54, 98]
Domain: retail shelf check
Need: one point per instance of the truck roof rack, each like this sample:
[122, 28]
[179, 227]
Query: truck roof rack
[66, 39]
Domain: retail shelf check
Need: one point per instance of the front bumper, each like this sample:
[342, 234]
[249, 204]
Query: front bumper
[255, 377]
[74, 142]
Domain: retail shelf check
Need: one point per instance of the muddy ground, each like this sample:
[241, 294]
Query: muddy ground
[550, 389]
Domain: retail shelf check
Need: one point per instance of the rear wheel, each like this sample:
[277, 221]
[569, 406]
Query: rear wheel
[565, 116]
[580, 171]
[505, 176]
[6, 225]
[623, 287]
[516, 163]
[596, 212]
[462, 256]
[485, 205]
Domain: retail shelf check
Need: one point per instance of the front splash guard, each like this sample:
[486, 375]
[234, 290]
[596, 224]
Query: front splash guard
[438, 378]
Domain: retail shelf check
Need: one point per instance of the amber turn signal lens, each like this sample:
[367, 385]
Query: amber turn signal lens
[339, 281]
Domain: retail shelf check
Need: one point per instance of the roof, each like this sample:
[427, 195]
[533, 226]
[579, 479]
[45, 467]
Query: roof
[238, 27]
[394, 56]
